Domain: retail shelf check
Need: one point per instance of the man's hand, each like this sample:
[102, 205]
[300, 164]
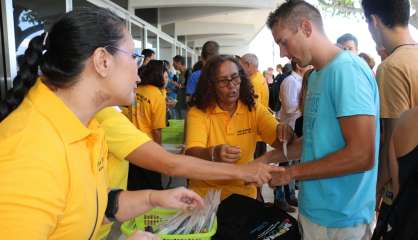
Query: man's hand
[258, 173]
[281, 179]
[226, 153]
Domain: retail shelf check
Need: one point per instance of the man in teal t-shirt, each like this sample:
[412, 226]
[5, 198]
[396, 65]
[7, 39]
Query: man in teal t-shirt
[340, 130]
[344, 87]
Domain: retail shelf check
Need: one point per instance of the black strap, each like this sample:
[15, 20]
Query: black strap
[112, 204]
[382, 226]
[401, 45]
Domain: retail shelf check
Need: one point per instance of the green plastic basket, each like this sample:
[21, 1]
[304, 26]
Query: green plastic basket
[156, 216]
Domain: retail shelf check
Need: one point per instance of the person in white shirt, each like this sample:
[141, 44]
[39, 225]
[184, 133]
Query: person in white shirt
[289, 95]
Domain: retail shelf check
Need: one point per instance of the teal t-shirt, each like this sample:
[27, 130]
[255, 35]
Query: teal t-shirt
[344, 87]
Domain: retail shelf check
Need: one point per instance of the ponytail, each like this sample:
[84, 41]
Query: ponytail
[25, 78]
[70, 42]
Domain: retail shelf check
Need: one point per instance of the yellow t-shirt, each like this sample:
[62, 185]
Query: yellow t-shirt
[52, 171]
[215, 126]
[398, 82]
[260, 88]
[122, 137]
[150, 109]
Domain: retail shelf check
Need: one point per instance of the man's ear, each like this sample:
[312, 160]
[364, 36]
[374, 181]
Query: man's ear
[102, 61]
[375, 21]
[306, 27]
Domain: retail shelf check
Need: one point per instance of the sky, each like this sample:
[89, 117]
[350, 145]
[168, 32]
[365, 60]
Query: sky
[268, 52]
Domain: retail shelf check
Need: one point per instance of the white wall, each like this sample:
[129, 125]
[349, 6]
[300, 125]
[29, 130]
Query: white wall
[241, 50]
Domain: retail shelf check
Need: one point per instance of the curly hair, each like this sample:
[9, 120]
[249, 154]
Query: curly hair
[205, 95]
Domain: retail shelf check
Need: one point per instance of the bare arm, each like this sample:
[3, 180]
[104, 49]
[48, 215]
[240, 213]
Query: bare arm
[388, 124]
[219, 153]
[153, 157]
[156, 135]
[134, 203]
[357, 156]
[284, 132]
[393, 167]
[127, 209]
[294, 151]
[202, 153]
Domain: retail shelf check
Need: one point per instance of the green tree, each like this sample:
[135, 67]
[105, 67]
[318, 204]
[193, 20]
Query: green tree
[353, 8]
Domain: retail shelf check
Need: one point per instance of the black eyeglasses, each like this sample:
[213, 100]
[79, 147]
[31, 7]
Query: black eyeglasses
[138, 58]
[235, 79]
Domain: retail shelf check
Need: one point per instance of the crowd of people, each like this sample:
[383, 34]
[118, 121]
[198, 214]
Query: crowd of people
[81, 129]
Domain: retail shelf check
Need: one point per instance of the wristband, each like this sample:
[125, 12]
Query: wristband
[112, 204]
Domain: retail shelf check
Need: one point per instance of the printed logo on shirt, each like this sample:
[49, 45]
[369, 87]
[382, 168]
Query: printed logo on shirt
[100, 164]
[313, 103]
[102, 157]
[244, 131]
[142, 98]
[309, 116]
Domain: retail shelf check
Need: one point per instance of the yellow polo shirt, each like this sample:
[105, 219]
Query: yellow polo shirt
[122, 137]
[52, 171]
[151, 109]
[215, 126]
[260, 88]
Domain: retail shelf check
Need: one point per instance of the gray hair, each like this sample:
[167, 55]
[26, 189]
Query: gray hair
[251, 59]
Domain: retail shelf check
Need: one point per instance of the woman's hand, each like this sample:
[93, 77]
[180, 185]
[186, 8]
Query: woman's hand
[139, 235]
[177, 198]
[226, 153]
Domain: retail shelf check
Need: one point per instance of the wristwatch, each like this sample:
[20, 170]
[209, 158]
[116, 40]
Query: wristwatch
[112, 204]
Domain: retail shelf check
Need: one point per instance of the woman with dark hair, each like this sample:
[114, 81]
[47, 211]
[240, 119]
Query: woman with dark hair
[150, 95]
[150, 117]
[224, 121]
[53, 157]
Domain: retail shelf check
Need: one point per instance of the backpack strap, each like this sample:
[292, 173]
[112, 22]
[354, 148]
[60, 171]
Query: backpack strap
[382, 226]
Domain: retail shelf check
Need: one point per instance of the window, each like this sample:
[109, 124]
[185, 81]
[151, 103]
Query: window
[182, 39]
[165, 50]
[152, 41]
[138, 36]
[169, 29]
[121, 3]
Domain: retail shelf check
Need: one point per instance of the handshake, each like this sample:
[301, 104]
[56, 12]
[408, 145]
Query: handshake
[262, 170]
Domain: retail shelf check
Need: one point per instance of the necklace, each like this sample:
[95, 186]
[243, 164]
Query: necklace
[401, 45]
